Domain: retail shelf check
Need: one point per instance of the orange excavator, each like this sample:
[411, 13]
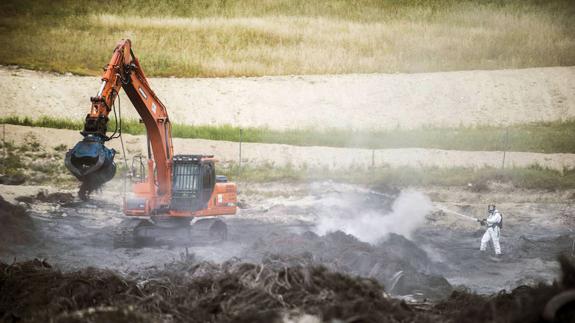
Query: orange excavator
[177, 188]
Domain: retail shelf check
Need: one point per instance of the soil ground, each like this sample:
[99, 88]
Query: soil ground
[355, 101]
[284, 220]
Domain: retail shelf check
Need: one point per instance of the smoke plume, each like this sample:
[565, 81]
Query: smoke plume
[407, 214]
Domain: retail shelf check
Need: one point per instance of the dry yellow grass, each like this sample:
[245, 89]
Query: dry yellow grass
[449, 36]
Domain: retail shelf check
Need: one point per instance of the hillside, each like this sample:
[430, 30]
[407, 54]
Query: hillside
[283, 37]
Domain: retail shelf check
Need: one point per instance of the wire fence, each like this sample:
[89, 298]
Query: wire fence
[503, 144]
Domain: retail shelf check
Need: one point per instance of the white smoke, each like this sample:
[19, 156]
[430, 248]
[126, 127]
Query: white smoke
[407, 214]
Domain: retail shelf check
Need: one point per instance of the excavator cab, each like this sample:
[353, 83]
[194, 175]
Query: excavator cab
[193, 181]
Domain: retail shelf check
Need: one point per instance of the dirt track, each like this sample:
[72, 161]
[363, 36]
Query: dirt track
[324, 157]
[345, 101]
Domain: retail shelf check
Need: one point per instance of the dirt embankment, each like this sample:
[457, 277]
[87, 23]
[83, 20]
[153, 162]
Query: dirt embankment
[353, 101]
[323, 157]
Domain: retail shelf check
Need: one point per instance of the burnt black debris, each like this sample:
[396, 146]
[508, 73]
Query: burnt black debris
[396, 262]
[194, 292]
[16, 227]
[190, 291]
[88, 187]
[57, 198]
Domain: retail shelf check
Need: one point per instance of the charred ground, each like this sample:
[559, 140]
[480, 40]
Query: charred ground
[275, 290]
[275, 266]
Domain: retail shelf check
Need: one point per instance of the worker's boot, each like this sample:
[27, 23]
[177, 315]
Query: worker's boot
[496, 257]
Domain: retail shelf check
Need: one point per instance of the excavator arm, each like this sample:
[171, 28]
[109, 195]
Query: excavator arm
[90, 161]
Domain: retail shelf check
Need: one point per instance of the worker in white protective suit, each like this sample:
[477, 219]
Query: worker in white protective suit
[494, 223]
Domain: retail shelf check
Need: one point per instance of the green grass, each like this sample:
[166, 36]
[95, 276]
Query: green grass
[251, 37]
[44, 122]
[11, 161]
[31, 163]
[534, 177]
[544, 137]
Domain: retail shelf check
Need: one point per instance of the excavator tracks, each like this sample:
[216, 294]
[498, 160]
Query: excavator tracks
[138, 233]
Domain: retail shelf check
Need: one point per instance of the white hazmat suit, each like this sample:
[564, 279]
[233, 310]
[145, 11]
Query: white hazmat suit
[492, 233]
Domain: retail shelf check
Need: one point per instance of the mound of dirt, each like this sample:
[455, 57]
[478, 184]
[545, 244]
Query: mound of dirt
[188, 291]
[194, 292]
[16, 227]
[397, 262]
[523, 304]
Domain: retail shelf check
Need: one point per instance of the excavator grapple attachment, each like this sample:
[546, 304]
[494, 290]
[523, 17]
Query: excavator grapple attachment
[91, 162]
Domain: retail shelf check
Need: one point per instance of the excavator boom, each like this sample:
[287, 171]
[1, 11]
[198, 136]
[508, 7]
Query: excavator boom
[90, 161]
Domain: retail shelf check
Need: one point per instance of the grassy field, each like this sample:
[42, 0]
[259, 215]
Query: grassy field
[544, 137]
[251, 38]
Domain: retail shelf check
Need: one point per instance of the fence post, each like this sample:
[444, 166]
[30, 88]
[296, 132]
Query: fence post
[5, 154]
[505, 147]
[240, 155]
